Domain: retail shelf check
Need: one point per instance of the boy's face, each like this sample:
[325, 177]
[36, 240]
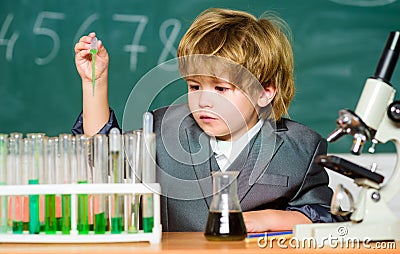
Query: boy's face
[220, 108]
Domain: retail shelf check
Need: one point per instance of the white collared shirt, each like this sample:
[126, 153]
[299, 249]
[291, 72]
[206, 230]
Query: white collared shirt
[227, 151]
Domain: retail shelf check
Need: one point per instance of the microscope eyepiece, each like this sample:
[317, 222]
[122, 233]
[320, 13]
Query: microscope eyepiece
[389, 58]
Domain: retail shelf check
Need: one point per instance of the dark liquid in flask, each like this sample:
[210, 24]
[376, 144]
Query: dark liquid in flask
[225, 227]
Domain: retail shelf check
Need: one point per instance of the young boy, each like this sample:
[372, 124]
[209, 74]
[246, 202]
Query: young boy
[239, 72]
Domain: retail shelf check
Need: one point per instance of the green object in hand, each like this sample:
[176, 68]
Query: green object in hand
[93, 50]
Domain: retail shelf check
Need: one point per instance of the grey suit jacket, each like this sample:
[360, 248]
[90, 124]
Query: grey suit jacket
[276, 169]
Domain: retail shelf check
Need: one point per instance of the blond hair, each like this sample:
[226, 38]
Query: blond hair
[259, 45]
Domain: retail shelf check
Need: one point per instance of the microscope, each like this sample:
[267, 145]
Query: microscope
[376, 119]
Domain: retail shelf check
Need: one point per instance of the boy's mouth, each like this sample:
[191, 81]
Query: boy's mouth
[207, 118]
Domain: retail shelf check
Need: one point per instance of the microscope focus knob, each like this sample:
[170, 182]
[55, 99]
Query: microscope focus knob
[394, 111]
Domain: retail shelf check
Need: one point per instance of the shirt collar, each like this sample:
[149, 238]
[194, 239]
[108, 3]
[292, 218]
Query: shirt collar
[231, 149]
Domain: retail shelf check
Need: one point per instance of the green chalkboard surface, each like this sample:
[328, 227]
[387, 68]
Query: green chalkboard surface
[337, 44]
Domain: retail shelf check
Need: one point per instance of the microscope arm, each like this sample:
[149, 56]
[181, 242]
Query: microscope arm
[390, 131]
[375, 108]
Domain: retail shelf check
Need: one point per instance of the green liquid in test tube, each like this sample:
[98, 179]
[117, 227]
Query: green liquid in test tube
[50, 220]
[148, 216]
[100, 172]
[66, 214]
[58, 177]
[34, 174]
[3, 181]
[116, 225]
[83, 212]
[50, 178]
[67, 159]
[116, 165]
[116, 218]
[100, 223]
[83, 153]
[93, 50]
[34, 223]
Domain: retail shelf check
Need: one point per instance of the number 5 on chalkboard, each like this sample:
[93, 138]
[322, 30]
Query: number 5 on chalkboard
[39, 30]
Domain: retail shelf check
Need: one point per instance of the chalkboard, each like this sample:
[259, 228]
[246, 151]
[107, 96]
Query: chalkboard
[337, 45]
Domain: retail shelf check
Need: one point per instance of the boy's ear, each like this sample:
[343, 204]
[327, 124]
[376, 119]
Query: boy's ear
[266, 96]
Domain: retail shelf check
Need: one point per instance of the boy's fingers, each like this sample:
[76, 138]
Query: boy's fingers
[81, 46]
[87, 38]
[101, 48]
[82, 53]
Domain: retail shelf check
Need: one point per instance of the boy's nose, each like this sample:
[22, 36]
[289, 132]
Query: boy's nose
[205, 99]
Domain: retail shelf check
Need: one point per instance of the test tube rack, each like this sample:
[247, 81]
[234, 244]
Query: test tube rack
[75, 189]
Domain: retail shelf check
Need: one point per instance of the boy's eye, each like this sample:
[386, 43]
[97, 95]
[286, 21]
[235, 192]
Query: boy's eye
[194, 87]
[221, 88]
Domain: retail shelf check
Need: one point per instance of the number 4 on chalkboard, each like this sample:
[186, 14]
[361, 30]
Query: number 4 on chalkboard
[9, 43]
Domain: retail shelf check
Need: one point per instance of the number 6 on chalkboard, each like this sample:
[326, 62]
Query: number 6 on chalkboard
[39, 30]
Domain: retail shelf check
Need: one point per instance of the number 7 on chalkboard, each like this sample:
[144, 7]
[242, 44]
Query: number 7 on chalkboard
[134, 48]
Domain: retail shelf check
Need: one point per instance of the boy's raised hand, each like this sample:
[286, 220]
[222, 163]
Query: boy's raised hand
[83, 59]
[96, 110]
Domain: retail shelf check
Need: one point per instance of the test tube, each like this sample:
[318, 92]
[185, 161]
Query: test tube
[25, 151]
[16, 174]
[58, 180]
[66, 160]
[50, 178]
[149, 169]
[83, 149]
[116, 164]
[34, 178]
[93, 51]
[3, 181]
[74, 180]
[74, 159]
[15, 166]
[127, 178]
[149, 149]
[27, 164]
[133, 167]
[100, 172]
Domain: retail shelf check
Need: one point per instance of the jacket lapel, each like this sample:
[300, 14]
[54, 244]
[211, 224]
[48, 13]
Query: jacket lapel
[203, 161]
[252, 162]
[263, 148]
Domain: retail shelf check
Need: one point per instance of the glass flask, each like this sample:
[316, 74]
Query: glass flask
[225, 220]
